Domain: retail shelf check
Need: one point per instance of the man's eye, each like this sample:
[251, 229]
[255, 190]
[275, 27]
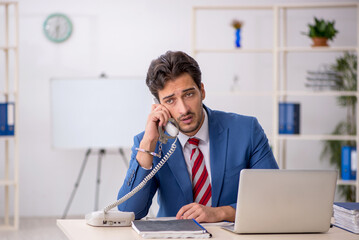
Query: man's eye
[169, 101]
[189, 94]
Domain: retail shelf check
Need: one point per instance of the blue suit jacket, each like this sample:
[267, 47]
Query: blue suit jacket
[236, 142]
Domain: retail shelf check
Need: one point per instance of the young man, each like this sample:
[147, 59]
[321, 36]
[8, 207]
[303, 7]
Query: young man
[200, 179]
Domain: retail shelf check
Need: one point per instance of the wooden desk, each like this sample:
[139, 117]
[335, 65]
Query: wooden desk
[78, 230]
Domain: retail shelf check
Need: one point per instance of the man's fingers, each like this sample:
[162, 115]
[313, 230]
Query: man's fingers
[192, 210]
[167, 112]
[153, 106]
[196, 211]
[160, 114]
[162, 119]
[192, 213]
[183, 210]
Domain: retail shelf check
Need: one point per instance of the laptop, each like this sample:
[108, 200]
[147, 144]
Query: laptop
[284, 201]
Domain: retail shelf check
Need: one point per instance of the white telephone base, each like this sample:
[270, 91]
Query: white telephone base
[110, 219]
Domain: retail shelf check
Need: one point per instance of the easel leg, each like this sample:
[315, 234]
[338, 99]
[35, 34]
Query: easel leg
[98, 180]
[122, 153]
[77, 183]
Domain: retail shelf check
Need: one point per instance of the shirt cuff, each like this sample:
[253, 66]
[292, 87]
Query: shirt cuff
[143, 167]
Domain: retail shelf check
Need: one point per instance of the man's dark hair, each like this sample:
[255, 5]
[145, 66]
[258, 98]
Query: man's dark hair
[170, 66]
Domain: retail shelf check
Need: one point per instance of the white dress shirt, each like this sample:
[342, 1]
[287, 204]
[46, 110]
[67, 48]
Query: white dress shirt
[203, 136]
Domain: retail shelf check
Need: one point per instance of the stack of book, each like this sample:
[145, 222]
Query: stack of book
[323, 79]
[186, 228]
[346, 215]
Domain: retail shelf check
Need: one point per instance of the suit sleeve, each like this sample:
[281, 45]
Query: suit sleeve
[261, 154]
[142, 200]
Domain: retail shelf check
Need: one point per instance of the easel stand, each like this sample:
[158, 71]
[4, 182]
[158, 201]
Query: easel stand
[101, 154]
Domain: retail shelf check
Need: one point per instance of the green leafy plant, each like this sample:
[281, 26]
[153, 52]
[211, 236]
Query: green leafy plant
[346, 68]
[322, 28]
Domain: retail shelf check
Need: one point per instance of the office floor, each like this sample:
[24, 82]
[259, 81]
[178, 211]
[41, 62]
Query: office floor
[39, 228]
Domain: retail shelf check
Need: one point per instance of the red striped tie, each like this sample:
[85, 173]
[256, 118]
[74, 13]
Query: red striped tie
[202, 190]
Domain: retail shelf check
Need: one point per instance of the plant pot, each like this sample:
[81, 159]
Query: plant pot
[320, 42]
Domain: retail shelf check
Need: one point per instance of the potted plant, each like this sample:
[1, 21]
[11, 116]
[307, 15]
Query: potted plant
[237, 26]
[321, 31]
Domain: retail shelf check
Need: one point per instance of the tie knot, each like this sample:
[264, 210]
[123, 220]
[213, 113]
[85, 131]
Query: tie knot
[193, 141]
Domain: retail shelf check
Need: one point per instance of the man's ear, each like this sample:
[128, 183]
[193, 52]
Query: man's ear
[203, 92]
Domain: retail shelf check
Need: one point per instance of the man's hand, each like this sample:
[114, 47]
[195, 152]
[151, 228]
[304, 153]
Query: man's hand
[158, 117]
[206, 214]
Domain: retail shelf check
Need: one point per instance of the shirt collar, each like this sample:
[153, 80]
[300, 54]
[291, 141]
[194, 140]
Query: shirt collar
[202, 133]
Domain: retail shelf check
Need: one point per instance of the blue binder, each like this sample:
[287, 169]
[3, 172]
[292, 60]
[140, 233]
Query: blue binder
[7, 119]
[348, 165]
[289, 118]
[3, 119]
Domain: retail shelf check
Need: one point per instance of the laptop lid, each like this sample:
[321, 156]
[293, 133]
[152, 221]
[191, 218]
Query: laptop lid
[285, 201]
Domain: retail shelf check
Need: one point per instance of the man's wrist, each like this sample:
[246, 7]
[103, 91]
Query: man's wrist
[148, 144]
[143, 158]
[226, 213]
[144, 168]
[148, 152]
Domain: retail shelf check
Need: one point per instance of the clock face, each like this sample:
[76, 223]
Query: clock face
[57, 27]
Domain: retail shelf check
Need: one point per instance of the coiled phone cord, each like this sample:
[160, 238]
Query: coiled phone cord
[144, 181]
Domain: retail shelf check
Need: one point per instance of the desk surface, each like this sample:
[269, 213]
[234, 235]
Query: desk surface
[78, 230]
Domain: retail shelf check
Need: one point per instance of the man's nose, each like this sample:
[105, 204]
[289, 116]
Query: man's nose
[182, 107]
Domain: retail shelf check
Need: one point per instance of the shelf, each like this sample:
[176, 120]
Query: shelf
[318, 93]
[271, 7]
[7, 137]
[243, 7]
[280, 49]
[236, 50]
[317, 49]
[7, 228]
[8, 93]
[316, 137]
[285, 93]
[8, 3]
[319, 5]
[8, 48]
[347, 182]
[241, 93]
[7, 183]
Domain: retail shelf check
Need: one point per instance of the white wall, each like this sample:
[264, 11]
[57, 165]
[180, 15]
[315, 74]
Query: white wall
[112, 36]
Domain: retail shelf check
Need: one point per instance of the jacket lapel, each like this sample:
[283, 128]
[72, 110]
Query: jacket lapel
[218, 154]
[179, 170]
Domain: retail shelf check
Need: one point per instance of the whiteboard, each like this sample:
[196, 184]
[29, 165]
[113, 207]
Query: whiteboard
[98, 112]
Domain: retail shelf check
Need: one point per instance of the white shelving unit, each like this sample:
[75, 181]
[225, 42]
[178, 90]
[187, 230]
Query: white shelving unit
[9, 181]
[279, 51]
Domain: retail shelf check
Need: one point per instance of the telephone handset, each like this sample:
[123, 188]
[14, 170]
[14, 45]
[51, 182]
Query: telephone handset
[171, 128]
[107, 218]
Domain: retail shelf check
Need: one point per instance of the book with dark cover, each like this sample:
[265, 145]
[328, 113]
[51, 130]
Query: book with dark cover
[348, 163]
[187, 228]
[346, 215]
[7, 119]
[289, 118]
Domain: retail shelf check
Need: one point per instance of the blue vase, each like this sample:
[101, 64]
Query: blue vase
[238, 37]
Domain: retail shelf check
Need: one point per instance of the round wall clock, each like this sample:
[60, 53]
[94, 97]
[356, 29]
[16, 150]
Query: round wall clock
[57, 27]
